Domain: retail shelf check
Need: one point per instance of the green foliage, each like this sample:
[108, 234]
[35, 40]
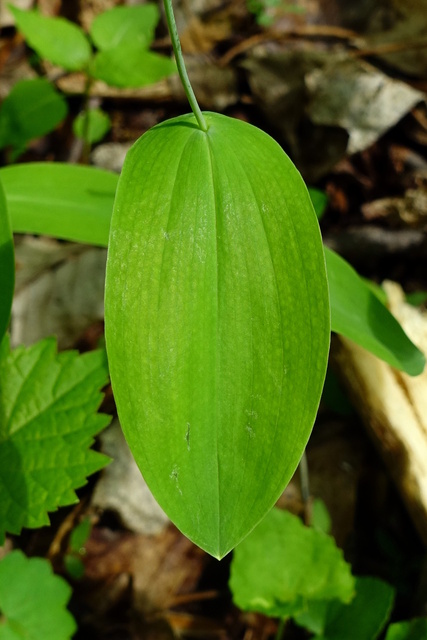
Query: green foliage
[210, 344]
[67, 201]
[319, 200]
[72, 559]
[55, 39]
[123, 24]
[261, 10]
[359, 315]
[361, 619]
[33, 600]
[32, 109]
[7, 265]
[412, 630]
[320, 518]
[283, 565]
[48, 419]
[416, 298]
[92, 126]
[131, 65]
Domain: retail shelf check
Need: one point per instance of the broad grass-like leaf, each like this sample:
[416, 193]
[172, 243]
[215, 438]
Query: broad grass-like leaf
[359, 315]
[120, 25]
[33, 600]
[131, 65]
[55, 39]
[362, 619]
[92, 125]
[283, 565]
[411, 630]
[7, 265]
[32, 109]
[217, 322]
[60, 200]
[48, 420]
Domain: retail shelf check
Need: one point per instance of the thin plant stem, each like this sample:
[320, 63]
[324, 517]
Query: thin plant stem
[176, 44]
[86, 106]
[280, 629]
[304, 478]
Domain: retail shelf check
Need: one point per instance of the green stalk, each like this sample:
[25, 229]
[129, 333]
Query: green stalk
[176, 44]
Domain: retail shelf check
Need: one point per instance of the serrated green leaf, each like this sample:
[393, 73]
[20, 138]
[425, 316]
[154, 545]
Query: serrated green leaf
[33, 600]
[7, 265]
[121, 25]
[48, 420]
[55, 39]
[359, 315]
[217, 322]
[97, 123]
[283, 565]
[60, 200]
[32, 109]
[131, 65]
[362, 619]
[411, 630]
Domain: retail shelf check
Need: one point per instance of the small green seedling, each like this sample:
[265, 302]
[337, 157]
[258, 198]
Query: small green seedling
[76, 549]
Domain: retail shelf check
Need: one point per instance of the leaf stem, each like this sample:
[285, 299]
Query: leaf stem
[280, 629]
[176, 44]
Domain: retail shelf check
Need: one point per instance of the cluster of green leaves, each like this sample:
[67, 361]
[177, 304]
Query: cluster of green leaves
[286, 570]
[116, 51]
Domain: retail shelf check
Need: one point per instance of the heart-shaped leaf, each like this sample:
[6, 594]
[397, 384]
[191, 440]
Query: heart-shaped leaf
[217, 322]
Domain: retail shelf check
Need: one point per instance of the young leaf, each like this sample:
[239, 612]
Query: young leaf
[33, 600]
[7, 265]
[283, 564]
[32, 109]
[319, 200]
[55, 39]
[359, 315]
[131, 65]
[217, 322]
[412, 630]
[362, 619]
[60, 200]
[97, 123]
[121, 25]
[48, 419]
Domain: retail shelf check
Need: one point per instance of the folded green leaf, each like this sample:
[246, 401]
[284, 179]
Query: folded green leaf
[7, 265]
[217, 321]
[32, 109]
[282, 565]
[60, 200]
[359, 315]
[362, 619]
[121, 25]
[55, 39]
[33, 600]
[48, 419]
[92, 126]
[411, 630]
[131, 65]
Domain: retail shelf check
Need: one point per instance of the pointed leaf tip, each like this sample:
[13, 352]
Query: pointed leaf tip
[217, 322]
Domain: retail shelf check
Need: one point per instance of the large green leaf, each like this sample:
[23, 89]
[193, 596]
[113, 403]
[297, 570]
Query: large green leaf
[54, 39]
[48, 419]
[283, 565]
[411, 630]
[33, 600]
[32, 109]
[7, 265]
[131, 65]
[359, 315]
[217, 322]
[120, 25]
[61, 200]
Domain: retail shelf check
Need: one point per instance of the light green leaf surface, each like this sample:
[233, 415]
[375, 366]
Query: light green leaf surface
[7, 265]
[121, 25]
[362, 619]
[32, 109]
[131, 65]
[92, 126]
[33, 600]
[55, 39]
[359, 315]
[60, 200]
[283, 564]
[411, 630]
[48, 420]
[217, 322]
